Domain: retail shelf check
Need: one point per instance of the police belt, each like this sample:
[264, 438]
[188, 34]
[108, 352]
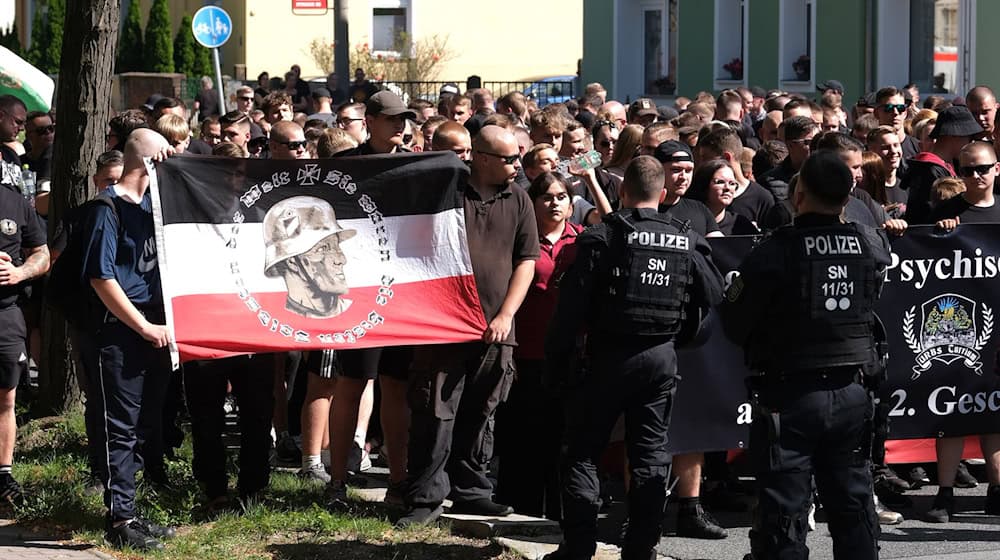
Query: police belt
[825, 377]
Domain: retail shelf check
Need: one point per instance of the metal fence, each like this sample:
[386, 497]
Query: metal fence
[543, 92]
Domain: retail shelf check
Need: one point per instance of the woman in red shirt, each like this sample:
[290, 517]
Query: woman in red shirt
[529, 424]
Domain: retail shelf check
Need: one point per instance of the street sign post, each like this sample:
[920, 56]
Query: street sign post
[212, 27]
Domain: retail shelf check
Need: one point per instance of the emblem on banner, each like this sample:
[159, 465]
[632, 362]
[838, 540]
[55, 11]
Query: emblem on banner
[948, 332]
[8, 227]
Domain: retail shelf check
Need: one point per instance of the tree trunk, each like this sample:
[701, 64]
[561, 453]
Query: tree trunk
[83, 106]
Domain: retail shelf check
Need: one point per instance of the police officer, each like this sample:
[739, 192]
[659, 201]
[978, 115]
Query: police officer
[638, 285]
[801, 308]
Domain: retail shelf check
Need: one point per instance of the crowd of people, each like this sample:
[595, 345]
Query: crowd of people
[455, 424]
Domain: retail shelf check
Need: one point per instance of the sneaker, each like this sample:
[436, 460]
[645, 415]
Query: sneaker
[315, 473]
[483, 506]
[886, 516]
[357, 459]
[964, 479]
[941, 510]
[394, 494]
[886, 480]
[154, 530]
[287, 452]
[10, 491]
[336, 496]
[131, 535]
[696, 523]
[918, 477]
[420, 515]
[992, 506]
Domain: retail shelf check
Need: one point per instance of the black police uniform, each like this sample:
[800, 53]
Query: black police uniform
[637, 285]
[801, 308]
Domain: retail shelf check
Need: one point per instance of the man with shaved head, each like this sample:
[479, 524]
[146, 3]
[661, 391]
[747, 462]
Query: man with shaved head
[126, 358]
[451, 430]
[982, 103]
[453, 137]
[617, 112]
[287, 141]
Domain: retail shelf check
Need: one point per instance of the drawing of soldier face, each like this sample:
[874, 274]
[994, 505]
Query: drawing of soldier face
[302, 244]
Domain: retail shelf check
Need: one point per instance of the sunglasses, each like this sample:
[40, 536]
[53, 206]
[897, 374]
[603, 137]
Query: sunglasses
[45, 129]
[246, 98]
[898, 108]
[509, 160]
[602, 123]
[293, 144]
[981, 170]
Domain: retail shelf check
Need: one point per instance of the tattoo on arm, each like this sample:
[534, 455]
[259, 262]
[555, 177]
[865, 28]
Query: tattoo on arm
[36, 263]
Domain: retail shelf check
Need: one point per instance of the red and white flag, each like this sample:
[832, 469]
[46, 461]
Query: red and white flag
[269, 255]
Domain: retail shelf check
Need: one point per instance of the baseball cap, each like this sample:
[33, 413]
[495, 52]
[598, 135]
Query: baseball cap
[668, 151]
[831, 84]
[758, 91]
[321, 92]
[388, 103]
[449, 88]
[642, 107]
[151, 101]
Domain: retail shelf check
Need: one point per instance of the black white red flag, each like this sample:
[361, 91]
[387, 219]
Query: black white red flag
[269, 255]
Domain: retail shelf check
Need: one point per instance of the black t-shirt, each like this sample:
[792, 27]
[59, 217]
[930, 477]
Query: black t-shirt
[958, 207]
[895, 195]
[753, 204]
[737, 224]
[699, 218]
[10, 168]
[41, 166]
[19, 229]
[199, 146]
[208, 103]
[910, 146]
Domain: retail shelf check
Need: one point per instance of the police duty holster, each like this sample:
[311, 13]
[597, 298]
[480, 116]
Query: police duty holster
[876, 371]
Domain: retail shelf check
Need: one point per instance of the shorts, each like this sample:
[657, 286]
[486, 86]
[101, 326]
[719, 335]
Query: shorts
[369, 363]
[13, 350]
[322, 363]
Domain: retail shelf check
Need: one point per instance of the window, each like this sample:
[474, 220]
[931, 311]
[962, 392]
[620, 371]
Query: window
[389, 19]
[797, 43]
[934, 36]
[730, 42]
[659, 48]
[926, 42]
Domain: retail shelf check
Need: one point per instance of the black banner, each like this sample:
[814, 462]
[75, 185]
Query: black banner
[938, 306]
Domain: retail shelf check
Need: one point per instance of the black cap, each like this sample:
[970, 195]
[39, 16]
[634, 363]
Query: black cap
[956, 121]
[670, 151]
[831, 84]
[867, 100]
[386, 102]
[321, 92]
[827, 177]
[758, 91]
[449, 88]
[667, 113]
[151, 101]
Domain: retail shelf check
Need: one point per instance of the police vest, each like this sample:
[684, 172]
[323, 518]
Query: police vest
[647, 276]
[823, 313]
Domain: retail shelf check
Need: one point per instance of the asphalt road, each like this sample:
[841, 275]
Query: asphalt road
[970, 536]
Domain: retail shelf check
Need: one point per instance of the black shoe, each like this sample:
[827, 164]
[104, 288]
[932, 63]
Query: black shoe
[483, 506]
[287, 452]
[10, 491]
[420, 515]
[887, 481]
[696, 523]
[963, 479]
[918, 477]
[894, 500]
[992, 500]
[941, 510]
[132, 535]
[154, 530]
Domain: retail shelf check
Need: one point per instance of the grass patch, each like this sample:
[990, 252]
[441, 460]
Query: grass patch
[287, 523]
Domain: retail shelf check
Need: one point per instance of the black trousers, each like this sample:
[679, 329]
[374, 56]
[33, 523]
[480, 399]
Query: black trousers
[128, 381]
[529, 436]
[454, 391]
[251, 378]
[637, 379]
[820, 428]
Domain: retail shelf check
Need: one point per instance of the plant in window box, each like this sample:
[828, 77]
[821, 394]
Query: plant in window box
[664, 85]
[801, 66]
[735, 68]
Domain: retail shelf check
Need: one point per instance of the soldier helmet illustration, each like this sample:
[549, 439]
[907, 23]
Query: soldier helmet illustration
[295, 225]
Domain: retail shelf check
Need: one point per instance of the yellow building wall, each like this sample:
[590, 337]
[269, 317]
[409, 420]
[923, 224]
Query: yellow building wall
[490, 41]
